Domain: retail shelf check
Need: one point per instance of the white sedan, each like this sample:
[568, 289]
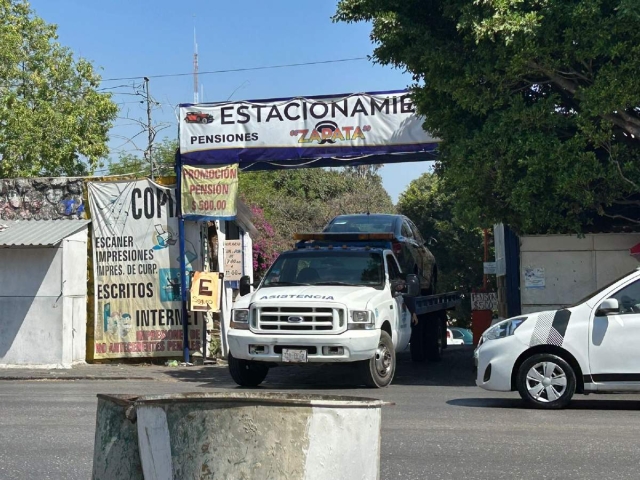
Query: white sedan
[589, 347]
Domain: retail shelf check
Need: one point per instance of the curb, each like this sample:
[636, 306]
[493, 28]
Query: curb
[70, 378]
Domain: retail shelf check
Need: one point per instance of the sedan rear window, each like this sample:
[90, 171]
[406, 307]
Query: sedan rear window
[362, 223]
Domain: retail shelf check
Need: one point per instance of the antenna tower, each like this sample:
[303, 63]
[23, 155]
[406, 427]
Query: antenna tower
[195, 67]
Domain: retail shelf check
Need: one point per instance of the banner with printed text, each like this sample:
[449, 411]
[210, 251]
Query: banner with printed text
[334, 129]
[209, 193]
[136, 263]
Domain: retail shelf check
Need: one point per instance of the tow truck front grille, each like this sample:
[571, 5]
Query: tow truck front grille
[298, 319]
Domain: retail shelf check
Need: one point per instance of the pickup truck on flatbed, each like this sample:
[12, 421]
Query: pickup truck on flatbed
[343, 303]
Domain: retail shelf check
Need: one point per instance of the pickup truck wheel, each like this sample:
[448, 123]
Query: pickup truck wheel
[378, 372]
[546, 381]
[434, 341]
[247, 373]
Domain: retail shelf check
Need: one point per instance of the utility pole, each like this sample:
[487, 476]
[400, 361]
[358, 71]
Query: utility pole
[149, 151]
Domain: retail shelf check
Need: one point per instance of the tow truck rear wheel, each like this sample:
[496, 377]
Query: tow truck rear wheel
[247, 373]
[435, 339]
[379, 371]
[417, 345]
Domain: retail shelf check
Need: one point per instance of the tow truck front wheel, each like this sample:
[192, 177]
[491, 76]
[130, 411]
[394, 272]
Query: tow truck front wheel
[379, 370]
[247, 373]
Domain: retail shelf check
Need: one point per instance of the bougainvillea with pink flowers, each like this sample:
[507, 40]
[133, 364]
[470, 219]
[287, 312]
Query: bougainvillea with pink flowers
[266, 247]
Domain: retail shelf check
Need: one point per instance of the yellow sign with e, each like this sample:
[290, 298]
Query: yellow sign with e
[205, 292]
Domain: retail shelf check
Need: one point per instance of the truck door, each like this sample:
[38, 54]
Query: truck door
[401, 317]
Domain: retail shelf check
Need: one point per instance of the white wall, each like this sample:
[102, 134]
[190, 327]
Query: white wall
[75, 294]
[43, 304]
[573, 267]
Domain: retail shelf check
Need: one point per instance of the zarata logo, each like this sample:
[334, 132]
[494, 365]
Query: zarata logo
[329, 132]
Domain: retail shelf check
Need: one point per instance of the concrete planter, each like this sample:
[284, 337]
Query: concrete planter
[267, 436]
[116, 455]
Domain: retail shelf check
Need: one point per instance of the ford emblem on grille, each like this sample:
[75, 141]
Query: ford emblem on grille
[295, 319]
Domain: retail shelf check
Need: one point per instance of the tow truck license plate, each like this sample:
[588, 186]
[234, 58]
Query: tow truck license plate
[294, 356]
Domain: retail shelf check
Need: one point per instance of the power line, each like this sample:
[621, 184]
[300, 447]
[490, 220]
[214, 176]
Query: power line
[232, 70]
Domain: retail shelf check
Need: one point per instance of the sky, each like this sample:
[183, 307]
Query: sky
[137, 38]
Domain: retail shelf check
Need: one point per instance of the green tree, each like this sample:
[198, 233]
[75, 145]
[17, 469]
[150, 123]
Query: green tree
[53, 118]
[458, 249]
[537, 103]
[163, 161]
[306, 199]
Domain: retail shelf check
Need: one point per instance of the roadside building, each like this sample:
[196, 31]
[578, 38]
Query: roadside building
[38, 275]
[43, 292]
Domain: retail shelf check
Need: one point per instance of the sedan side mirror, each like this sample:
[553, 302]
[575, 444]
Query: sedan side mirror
[608, 307]
[413, 285]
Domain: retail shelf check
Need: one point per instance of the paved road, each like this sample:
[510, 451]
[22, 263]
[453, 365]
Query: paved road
[442, 427]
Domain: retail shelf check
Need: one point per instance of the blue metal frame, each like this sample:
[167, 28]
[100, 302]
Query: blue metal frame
[183, 263]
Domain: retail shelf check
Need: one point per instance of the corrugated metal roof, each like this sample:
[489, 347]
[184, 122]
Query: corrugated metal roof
[37, 233]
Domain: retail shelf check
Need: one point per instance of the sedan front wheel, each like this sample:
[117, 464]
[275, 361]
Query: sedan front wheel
[546, 381]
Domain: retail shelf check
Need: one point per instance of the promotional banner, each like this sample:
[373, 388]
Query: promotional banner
[136, 262]
[209, 193]
[287, 130]
[205, 292]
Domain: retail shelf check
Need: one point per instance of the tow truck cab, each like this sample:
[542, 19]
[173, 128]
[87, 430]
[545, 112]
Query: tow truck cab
[341, 303]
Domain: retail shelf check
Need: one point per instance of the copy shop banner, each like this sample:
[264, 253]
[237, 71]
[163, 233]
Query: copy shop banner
[136, 263]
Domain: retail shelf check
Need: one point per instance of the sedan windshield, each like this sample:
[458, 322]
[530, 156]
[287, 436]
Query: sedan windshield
[327, 267]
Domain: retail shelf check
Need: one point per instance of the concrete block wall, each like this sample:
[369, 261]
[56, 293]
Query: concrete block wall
[573, 267]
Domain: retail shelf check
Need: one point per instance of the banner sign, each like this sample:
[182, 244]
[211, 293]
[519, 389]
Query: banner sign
[209, 193]
[136, 265]
[484, 301]
[294, 129]
[232, 260]
[205, 292]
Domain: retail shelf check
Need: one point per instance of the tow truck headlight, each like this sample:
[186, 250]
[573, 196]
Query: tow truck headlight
[240, 319]
[503, 329]
[361, 320]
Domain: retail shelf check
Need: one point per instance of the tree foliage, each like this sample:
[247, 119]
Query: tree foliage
[305, 200]
[163, 161]
[265, 247]
[53, 118]
[459, 249]
[536, 103]
[284, 202]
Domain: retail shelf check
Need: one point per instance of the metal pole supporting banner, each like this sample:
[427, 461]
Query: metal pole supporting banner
[183, 264]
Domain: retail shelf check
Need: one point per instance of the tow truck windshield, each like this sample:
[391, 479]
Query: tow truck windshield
[327, 267]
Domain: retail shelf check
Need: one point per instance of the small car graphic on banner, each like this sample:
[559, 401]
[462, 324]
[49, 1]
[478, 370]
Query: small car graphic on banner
[198, 117]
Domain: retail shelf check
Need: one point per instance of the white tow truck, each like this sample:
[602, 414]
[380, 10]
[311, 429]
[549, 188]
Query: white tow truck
[343, 303]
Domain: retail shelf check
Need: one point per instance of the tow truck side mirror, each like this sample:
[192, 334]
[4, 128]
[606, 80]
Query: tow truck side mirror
[245, 285]
[413, 285]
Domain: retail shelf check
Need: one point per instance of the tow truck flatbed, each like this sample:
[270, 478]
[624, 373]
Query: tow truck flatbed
[433, 303]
